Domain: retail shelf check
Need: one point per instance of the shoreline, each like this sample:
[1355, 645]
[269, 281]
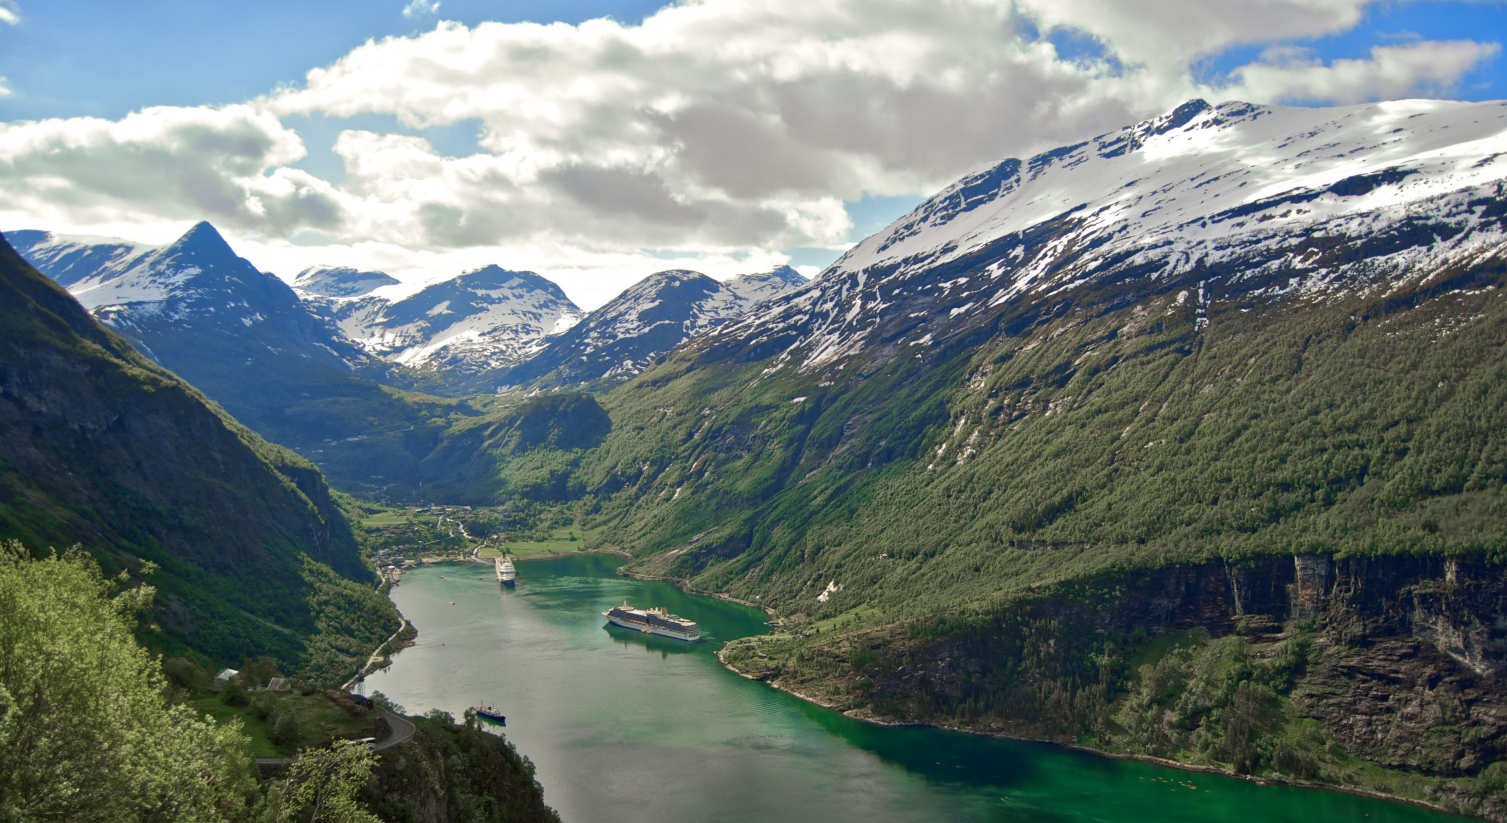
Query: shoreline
[1074, 747]
[547, 556]
[1142, 758]
[679, 583]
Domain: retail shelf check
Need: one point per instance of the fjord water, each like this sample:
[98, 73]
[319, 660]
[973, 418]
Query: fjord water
[625, 727]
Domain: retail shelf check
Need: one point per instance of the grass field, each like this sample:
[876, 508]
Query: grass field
[559, 542]
[387, 518]
[303, 720]
[313, 719]
[251, 725]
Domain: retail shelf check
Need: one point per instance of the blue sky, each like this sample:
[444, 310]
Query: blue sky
[704, 134]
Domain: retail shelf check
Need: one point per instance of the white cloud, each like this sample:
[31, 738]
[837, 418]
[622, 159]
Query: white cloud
[10, 13]
[712, 131]
[1164, 36]
[227, 165]
[418, 8]
[717, 124]
[1427, 68]
[4, 87]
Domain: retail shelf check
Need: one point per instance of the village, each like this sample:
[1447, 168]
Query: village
[401, 539]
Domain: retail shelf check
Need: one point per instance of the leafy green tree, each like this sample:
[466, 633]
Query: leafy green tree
[86, 731]
[323, 783]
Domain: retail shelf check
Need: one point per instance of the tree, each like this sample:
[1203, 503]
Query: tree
[86, 730]
[323, 784]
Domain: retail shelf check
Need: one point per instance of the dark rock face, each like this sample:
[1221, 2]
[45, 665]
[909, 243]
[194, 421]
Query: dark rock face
[1405, 668]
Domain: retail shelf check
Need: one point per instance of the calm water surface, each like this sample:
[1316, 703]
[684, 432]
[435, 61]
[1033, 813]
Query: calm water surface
[626, 728]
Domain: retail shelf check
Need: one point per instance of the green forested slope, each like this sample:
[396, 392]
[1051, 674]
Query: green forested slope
[1118, 437]
[103, 448]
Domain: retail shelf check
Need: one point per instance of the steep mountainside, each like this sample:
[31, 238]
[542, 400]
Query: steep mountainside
[990, 452]
[653, 316]
[476, 323]
[245, 339]
[104, 448]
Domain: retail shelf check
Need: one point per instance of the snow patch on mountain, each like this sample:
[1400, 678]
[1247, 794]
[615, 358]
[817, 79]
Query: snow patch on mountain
[652, 316]
[761, 286]
[341, 281]
[1262, 201]
[486, 319]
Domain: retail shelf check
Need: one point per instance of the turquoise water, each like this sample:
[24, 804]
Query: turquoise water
[627, 727]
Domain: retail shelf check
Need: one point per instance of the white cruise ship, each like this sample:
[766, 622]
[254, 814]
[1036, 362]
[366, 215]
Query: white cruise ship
[506, 573]
[653, 621]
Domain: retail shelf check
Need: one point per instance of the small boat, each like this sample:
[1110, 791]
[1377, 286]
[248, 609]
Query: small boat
[490, 713]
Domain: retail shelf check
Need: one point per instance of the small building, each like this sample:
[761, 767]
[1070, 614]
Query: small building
[279, 684]
[226, 677]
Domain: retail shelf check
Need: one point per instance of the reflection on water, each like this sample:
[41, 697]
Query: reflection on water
[625, 726]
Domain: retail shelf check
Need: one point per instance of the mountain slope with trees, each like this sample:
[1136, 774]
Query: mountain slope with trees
[106, 449]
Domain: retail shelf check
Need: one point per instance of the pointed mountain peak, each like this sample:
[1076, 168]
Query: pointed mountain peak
[202, 238]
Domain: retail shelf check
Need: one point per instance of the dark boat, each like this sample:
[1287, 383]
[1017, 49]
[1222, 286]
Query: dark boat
[490, 714]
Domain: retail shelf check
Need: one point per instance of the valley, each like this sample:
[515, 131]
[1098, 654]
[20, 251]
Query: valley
[1181, 444]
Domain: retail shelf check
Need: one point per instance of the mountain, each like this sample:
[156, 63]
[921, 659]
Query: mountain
[1179, 442]
[246, 340]
[471, 325]
[760, 286]
[341, 281]
[651, 317]
[1234, 202]
[71, 258]
[107, 449]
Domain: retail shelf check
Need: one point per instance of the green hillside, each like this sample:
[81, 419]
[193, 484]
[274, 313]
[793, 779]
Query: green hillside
[1126, 436]
[106, 449]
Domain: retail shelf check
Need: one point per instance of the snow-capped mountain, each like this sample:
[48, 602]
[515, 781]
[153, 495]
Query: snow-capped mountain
[1235, 202]
[341, 281]
[69, 258]
[483, 320]
[758, 287]
[240, 335]
[651, 317]
[196, 283]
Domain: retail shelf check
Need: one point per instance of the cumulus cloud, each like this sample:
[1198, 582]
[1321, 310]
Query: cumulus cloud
[1164, 36]
[419, 8]
[10, 13]
[715, 129]
[1431, 68]
[229, 165]
[735, 122]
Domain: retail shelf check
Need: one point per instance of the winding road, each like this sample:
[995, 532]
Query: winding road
[401, 729]
[402, 624]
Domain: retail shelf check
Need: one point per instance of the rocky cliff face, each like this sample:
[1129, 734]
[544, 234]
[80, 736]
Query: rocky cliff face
[1398, 662]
